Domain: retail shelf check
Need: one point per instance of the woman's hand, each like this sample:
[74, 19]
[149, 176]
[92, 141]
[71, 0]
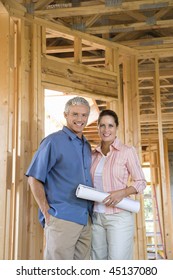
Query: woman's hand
[117, 196]
[114, 197]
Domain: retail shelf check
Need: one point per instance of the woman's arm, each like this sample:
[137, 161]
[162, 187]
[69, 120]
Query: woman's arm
[117, 196]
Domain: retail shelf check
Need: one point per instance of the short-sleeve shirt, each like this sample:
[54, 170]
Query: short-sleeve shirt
[61, 162]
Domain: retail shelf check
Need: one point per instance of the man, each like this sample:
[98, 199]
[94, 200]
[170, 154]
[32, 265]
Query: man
[61, 162]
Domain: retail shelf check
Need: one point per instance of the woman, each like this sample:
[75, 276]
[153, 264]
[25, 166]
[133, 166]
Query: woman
[112, 164]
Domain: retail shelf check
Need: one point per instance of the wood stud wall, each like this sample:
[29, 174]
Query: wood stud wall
[25, 70]
[159, 165]
[4, 117]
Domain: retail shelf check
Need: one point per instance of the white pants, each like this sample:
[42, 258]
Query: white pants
[112, 236]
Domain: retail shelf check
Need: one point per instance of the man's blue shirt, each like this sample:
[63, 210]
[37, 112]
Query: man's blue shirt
[61, 162]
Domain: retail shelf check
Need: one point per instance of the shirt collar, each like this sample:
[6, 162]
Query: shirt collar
[115, 145]
[72, 135]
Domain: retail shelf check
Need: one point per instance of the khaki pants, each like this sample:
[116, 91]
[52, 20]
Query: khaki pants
[112, 236]
[66, 240]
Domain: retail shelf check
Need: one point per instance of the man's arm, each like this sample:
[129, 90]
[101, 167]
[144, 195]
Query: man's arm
[40, 197]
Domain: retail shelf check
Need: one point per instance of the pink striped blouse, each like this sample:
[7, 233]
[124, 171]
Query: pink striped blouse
[121, 162]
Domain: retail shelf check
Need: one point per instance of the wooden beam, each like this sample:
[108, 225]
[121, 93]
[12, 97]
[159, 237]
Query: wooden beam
[79, 77]
[103, 9]
[40, 4]
[67, 49]
[154, 42]
[77, 50]
[167, 235]
[131, 27]
[4, 127]
[87, 39]
[11, 4]
[72, 90]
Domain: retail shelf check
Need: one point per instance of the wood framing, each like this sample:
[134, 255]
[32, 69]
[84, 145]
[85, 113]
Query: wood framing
[120, 66]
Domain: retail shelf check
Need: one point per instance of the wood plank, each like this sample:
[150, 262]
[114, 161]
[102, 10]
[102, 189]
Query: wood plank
[73, 91]
[4, 111]
[67, 49]
[78, 77]
[103, 9]
[36, 101]
[131, 27]
[77, 50]
[87, 39]
[167, 236]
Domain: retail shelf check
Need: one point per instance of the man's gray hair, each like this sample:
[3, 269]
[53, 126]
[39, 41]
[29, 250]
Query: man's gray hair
[78, 100]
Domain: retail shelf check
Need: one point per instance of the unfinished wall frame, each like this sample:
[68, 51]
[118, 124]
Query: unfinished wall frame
[155, 133]
[26, 69]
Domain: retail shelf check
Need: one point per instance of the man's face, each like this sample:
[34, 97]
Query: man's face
[77, 118]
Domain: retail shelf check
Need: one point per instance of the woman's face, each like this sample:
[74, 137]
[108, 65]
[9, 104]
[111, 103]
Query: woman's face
[107, 129]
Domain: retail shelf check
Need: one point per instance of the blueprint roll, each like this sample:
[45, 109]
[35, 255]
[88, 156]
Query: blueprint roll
[92, 194]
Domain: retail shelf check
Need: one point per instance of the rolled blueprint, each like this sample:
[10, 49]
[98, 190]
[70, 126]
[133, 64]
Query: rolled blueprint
[89, 193]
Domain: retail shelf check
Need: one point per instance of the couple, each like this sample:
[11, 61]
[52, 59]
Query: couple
[62, 162]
